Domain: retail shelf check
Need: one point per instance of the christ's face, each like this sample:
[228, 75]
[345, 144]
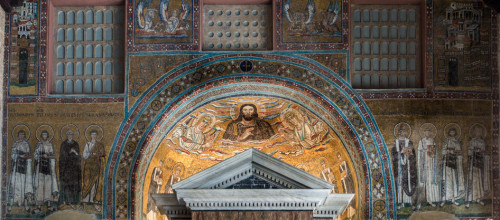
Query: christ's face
[248, 112]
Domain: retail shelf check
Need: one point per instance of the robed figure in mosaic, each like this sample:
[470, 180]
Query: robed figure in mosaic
[93, 167]
[304, 135]
[452, 169]
[345, 176]
[405, 168]
[173, 179]
[192, 138]
[428, 168]
[21, 184]
[476, 168]
[45, 179]
[327, 174]
[154, 188]
[70, 171]
[248, 126]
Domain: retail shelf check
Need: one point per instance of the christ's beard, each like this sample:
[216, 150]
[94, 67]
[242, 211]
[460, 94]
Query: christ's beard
[248, 118]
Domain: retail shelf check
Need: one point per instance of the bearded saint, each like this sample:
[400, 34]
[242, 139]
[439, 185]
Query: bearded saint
[453, 173]
[248, 126]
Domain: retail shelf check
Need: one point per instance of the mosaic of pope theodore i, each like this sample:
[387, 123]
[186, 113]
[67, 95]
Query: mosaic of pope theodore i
[107, 105]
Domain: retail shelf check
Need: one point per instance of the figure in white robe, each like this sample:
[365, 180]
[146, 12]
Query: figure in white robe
[452, 172]
[327, 175]
[154, 188]
[476, 169]
[192, 138]
[428, 169]
[21, 179]
[45, 179]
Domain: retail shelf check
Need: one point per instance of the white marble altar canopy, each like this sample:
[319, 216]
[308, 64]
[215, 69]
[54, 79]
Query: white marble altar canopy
[253, 180]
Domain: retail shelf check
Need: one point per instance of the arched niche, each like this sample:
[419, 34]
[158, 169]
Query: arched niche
[170, 100]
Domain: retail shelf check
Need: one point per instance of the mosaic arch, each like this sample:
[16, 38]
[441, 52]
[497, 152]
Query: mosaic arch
[185, 92]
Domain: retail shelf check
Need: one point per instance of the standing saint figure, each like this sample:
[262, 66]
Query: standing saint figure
[174, 178]
[248, 126]
[93, 166]
[452, 172]
[346, 176]
[327, 175]
[347, 184]
[154, 188]
[20, 187]
[476, 168]
[45, 179]
[70, 171]
[404, 168]
[428, 168]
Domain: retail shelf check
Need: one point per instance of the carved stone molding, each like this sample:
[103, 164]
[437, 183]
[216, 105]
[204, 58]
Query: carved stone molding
[210, 190]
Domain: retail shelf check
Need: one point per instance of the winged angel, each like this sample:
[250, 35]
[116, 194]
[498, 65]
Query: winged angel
[302, 22]
[172, 20]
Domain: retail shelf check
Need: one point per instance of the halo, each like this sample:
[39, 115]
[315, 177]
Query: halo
[456, 126]
[485, 131]
[203, 115]
[427, 125]
[303, 167]
[67, 127]
[178, 164]
[283, 119]
[322, 159]
[47, 128]
[19, 127]
[232, 111]
[88, 130]
[396, 128]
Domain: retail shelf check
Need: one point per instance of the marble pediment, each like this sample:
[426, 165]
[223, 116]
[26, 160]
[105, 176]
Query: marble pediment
[253, 180]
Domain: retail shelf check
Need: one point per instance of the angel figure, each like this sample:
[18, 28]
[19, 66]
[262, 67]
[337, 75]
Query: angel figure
[299, 20]
[173, 19]
[192, 138]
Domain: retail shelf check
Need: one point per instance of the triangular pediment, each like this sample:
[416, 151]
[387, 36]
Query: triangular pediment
[252, 162]
[252, 180]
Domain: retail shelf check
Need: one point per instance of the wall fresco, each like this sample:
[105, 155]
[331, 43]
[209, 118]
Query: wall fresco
[462, 46]
[221, 129]
[440, 155]
[24, 49]
[56, 158]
